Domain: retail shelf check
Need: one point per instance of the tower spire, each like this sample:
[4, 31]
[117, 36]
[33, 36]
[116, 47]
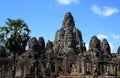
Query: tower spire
[68, 20]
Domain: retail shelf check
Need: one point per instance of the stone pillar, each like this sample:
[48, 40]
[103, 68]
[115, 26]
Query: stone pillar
[22, 71]
[83, 67]
[66, 67]
[100, 68]
[78, 66]
[115, 68]
[3, 72]
[56, 67]
[112, 69]
[105, 69]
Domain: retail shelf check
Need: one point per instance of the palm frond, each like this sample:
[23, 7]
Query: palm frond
[3, 28]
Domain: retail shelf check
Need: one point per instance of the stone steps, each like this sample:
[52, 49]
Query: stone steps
[86, 77]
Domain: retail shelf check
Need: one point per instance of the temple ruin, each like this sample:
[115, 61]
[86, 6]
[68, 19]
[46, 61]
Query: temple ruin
[66, 57]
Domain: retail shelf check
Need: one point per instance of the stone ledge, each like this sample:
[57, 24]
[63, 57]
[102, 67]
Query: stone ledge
[86, 77]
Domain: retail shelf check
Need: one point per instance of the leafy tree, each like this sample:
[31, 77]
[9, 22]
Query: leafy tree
[118, 74]
[15, 36]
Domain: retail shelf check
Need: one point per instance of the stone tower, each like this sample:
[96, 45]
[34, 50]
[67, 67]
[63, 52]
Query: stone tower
[68, 39]
[105, 47]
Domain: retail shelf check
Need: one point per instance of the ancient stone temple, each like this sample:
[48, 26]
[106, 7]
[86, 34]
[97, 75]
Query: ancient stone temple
[68, 39]
[66, 57]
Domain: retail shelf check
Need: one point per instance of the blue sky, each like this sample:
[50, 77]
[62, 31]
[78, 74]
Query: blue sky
[44, 17]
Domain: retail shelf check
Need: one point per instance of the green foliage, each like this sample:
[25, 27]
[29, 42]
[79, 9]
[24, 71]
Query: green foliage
[15, 34]
[118, 73]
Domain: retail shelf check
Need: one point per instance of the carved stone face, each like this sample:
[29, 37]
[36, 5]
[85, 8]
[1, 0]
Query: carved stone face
[33, 40]
[94, 43]
[68, 20]
[105, 46]
[68, 16]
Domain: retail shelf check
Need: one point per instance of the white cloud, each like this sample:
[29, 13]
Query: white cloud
[67, 2]
[102, 36]
[111, 46]
[104, 11]
[87, 46]
[115, 36]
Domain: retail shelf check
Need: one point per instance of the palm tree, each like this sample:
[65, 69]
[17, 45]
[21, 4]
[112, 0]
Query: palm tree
[15, 36]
